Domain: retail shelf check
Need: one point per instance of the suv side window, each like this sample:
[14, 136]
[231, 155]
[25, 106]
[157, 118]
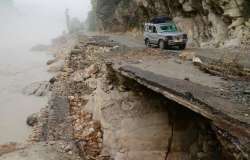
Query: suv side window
[150, 28]
[154, 29]
[167, 28]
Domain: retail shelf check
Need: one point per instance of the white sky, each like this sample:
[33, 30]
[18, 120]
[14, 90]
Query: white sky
[56, 8]
[38, 21]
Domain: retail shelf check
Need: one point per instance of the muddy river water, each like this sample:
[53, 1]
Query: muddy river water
[20, 67]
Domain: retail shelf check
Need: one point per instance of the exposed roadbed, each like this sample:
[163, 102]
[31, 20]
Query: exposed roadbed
[213, 97]
[200, 99]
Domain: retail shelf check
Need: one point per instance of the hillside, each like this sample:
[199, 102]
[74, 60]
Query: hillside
[207, 22]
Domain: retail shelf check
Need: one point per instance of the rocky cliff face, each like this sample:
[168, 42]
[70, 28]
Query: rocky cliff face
[207, 22]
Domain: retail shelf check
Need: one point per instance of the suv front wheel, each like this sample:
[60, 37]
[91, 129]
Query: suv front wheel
[182, 47]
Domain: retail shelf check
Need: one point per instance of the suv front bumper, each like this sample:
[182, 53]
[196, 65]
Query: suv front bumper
[176, 42]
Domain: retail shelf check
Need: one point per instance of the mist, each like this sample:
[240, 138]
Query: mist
[37, 21]
[24, 24]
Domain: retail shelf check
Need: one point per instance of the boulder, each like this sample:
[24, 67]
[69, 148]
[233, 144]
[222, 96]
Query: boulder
[93, 69]
[232, 43]
[37, 89]
[78, 76]
[236, 23]
[57, 66]
[187, 7]
[49, 62]
[76, 51]
[32, 120]
[197, 61]
[187, 55]
[52, 80]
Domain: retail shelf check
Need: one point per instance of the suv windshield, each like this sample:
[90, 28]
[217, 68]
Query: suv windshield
[168, 28]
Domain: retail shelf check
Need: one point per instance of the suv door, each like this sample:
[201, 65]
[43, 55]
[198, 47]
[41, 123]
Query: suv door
[154, 35]
[150, 36]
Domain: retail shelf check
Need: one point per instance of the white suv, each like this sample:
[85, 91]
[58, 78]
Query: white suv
[164, 35]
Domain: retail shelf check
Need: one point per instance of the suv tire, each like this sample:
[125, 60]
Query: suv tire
[162, 44]
[182, 47]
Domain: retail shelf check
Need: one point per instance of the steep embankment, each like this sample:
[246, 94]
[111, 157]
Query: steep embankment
[101, 109]
[99, 112]
[207, 22]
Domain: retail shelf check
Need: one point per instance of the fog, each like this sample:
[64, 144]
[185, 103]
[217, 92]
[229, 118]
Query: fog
[55, 8]
[23, 24]
[41, 18]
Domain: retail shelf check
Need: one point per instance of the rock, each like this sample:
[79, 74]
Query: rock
[81, 145]
[81, 75]
[187, 7]
[247, 91]
[57, 66]
[52, 80]
[51, 142]
[127, 106]
[93, 69]
[49, 62]
[187, 55]
[197, 61]
[76, 51]
[37, 89]
[236, 23]
[32, 120]
[91, 130]
[233, 12]
[92, 83]
[186, 79]
[232, 43]
[70, 152]
[78, 76]
[201, 155]
[71, 98]
[181, 1]
[110, 87]
[247, 23]
[178, 61]
[77, 47]
[68, 148]
[115, 47]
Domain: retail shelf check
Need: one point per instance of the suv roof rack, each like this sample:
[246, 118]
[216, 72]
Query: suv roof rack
[160, 19]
